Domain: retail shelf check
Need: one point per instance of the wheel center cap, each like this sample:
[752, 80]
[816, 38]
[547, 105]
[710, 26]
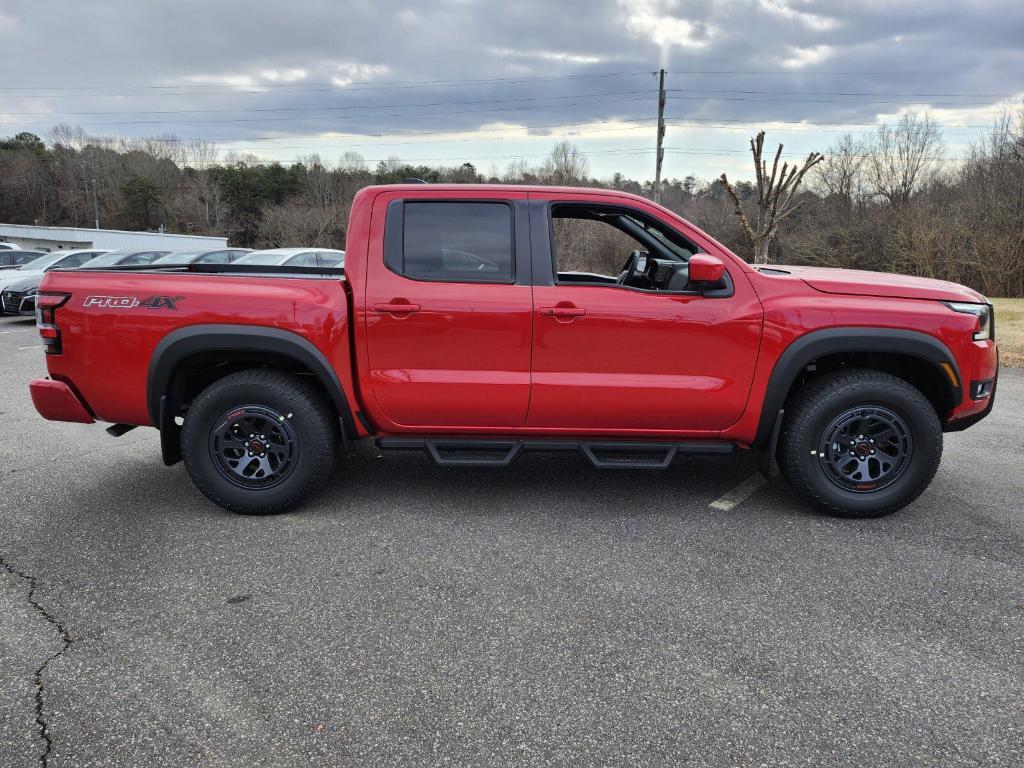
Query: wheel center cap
[256, 446]
[863, 449]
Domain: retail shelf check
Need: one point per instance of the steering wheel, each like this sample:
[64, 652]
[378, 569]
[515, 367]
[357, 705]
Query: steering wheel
[634, 271]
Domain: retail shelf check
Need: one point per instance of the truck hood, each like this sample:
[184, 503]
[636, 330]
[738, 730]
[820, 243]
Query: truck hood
[884, 284]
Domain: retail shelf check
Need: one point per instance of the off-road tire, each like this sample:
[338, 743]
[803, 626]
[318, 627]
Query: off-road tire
[311, 421]
[809, 414]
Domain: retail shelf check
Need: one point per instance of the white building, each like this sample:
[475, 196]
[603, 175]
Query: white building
[31, 237]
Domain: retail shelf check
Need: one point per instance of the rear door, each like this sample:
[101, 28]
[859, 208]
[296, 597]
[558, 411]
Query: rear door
[449, 311]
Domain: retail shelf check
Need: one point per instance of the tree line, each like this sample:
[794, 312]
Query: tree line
[888, 200]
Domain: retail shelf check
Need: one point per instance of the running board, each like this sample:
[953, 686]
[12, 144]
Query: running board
[482, 452]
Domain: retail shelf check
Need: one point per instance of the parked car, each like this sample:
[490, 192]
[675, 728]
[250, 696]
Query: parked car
[19, 298]
[9, 247]
[295, 257]
[14, 259]
[126, 257]
[847, 378]
[203, 256]
[36, 268]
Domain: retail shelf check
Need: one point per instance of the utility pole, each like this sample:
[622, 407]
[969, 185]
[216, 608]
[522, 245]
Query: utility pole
[661, 136]
[95, 204]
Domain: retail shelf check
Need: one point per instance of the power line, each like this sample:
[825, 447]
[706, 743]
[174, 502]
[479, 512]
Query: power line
[346, 85]
[329, 107]
[418, 136]
[353, 117]
[337, 108]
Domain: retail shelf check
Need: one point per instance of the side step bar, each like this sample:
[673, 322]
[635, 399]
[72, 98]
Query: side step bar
[483, 452]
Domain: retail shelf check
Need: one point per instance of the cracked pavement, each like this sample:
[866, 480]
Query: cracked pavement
[548, 614]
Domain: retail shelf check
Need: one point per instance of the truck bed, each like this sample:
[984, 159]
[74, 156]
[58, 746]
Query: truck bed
[114, 320]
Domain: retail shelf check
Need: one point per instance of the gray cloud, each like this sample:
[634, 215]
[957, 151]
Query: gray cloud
[735, 61]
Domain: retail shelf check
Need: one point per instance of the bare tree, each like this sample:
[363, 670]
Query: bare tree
[841, 172]
[352, 162]
[775, 194]
[905, 159]
[565, 165]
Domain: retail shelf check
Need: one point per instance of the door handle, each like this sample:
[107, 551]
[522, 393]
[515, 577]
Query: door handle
[561, 311]
[396, 308]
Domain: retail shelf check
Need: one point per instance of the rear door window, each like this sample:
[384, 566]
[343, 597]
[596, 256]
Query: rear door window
[458, 242]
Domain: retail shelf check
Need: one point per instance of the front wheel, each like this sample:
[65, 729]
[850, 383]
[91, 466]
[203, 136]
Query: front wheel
[259, 442]
[860, 443]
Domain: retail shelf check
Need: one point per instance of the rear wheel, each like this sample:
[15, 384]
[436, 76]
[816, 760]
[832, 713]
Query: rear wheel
[259, 442]
[860, 443]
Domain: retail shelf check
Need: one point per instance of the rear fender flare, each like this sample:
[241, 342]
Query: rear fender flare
[183, 343]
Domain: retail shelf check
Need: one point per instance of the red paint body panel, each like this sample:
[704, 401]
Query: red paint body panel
[54, 400]
[864, 283]
[461, 360]
[641, 360]
[524, 359]
[107, 351]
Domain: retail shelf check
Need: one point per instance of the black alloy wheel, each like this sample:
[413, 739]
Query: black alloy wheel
[866, 448]
[254, 447]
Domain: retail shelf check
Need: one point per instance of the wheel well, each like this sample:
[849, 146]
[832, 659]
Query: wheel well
[931, 380]
[196, 372]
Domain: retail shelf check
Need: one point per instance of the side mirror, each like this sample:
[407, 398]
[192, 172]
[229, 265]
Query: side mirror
[705, 268]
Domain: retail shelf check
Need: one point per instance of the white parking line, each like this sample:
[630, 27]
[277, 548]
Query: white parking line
[738, 494]
[34, 346]
[20, 330]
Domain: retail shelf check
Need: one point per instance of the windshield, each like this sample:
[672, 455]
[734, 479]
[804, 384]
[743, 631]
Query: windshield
[43, 261]
[179, 257]
[270, 259]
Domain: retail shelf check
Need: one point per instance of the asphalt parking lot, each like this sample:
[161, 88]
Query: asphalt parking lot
[549, 614]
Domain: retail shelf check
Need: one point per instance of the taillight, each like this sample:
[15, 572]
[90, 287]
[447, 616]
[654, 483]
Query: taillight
[46, 319]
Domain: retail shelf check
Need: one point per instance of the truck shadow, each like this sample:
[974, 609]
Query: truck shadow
[551, 483]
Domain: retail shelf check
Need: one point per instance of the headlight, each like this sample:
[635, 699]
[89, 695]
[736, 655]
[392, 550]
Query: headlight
[981, 311]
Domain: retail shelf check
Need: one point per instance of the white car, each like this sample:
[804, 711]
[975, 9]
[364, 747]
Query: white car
[294, 257]
[62, 259]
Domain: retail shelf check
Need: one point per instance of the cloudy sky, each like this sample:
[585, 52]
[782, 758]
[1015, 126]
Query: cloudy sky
[484, 81]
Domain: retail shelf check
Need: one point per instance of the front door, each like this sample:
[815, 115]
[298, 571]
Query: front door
[613, 354]
[448, 312]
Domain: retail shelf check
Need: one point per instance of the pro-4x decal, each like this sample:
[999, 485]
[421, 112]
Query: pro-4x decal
[131, 302]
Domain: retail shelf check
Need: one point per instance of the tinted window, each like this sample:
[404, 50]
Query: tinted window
[76, 260]
[217, 257]
[178, 257]
[142, 258]
[269, 258]
[458, 242]
[304, 260]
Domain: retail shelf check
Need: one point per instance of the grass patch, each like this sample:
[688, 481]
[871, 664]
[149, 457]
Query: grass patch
[1010, 331]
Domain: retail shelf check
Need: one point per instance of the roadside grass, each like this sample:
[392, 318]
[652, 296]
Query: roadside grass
[1010, 331]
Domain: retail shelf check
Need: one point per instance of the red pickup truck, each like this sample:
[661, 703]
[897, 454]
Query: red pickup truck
[478, 322]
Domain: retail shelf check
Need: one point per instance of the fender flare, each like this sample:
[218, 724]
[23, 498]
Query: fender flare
[178, 345]
[827, 341]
